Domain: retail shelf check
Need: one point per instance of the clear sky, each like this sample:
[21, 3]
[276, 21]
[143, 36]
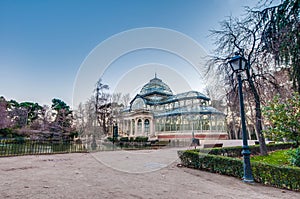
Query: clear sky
[43, 43]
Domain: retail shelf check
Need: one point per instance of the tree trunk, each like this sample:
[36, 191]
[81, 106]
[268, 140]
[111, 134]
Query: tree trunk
[297, 73]
[248, 132]
[96, 106]
[234, 129]
[258, 124]
[261, 138]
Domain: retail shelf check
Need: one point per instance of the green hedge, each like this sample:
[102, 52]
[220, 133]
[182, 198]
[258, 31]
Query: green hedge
[141, 139]
[237, 150]
[111, 139]
[281, 177]
[215, 164]
[8, 133]
[124, 139]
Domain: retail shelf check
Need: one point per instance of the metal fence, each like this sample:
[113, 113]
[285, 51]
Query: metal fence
[15, 147]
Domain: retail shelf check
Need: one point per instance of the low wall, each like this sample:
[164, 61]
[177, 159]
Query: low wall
[201, 136]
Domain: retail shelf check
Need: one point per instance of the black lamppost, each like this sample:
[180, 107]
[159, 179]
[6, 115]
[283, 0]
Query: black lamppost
[115, 133]
[239, 64]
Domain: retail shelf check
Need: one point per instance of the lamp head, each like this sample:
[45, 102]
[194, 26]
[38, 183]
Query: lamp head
[238, 63]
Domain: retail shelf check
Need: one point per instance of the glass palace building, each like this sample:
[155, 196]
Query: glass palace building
[159, 114]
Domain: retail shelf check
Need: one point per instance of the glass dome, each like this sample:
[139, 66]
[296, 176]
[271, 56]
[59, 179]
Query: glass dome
[157, 86]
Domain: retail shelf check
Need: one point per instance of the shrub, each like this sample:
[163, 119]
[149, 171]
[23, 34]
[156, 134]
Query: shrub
[282, 177]
[73, 134]
[277, 176]
[7, 132]
[141, 139]
[111, 139]
[294, 157]
[19, 140]
[212, 163]
[124, 139]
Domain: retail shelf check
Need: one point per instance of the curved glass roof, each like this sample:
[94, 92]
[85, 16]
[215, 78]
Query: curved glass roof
[189, 95]
[174, 98]
[189, 110]
[156, 92]
[156, 85]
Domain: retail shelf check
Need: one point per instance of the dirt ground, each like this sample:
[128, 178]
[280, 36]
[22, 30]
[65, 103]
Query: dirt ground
[119, 174]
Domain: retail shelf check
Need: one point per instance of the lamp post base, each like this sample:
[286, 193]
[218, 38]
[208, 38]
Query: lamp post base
[248, 177]
[248, 181]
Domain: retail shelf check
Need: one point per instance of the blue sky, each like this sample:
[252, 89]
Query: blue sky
[44, 42]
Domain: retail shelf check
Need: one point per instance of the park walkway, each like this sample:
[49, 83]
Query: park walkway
[120, 174]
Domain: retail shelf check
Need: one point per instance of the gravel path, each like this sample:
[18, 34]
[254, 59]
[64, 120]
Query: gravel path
[119, 174]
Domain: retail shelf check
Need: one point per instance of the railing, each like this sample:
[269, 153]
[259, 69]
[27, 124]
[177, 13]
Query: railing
[15, 147]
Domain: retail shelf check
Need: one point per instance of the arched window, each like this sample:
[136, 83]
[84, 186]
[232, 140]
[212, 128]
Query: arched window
[139, 125]
[147, 126]
[133, 126]
[138, 104]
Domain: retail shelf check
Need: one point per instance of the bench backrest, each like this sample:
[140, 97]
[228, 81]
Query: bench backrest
[213, 145]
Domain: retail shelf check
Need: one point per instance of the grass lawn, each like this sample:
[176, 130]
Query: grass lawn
[279, 158]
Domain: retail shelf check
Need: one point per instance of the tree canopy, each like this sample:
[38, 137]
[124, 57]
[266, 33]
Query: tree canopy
[280, 35]
[283, 118]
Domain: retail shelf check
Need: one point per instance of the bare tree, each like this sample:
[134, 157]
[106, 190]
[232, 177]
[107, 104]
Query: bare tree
[4, 117]
[126, 99]
[102, 105]
[80, 119]
[244, 37]
[92, 125]
[98, 113]
[45, 118]
[215, 90]
[116, 98]
[18, 114]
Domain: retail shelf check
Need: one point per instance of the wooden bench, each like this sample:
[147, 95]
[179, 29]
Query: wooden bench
[213, 145]
[257, 142]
